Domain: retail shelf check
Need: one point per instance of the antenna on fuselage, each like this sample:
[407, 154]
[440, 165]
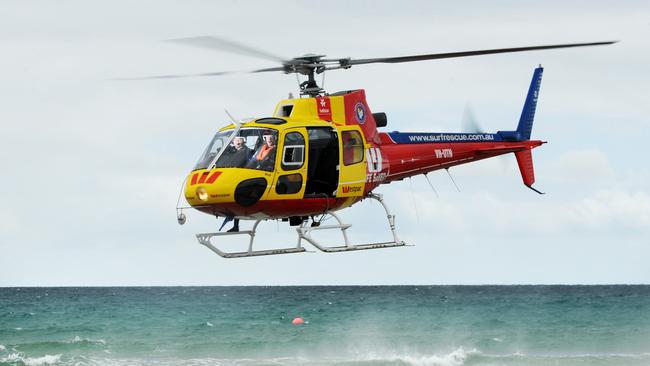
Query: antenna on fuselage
[452, 179]
[415, 205]
[431, 185]
[236, 122]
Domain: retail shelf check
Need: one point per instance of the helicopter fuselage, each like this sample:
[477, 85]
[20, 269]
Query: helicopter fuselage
[328, 154]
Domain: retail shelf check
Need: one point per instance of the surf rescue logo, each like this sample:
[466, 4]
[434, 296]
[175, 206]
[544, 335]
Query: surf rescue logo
[360, 113]
[324, 108]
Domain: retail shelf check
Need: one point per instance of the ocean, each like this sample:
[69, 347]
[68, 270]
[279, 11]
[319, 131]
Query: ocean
[349, 325]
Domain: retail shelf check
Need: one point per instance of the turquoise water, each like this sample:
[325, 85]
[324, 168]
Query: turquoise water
[394, 325]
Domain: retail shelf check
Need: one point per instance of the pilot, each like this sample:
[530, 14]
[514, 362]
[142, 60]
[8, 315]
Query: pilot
[236, 155]
[264, 158]
[241, 152]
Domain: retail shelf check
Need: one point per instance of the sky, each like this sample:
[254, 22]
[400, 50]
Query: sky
[92, 167]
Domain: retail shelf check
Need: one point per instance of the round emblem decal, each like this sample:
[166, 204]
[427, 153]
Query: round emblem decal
[360, 113]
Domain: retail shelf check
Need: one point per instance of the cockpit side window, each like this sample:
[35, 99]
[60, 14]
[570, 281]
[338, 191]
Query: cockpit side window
[293, 152]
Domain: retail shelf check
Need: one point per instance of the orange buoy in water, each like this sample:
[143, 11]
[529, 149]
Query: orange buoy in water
[298, 321]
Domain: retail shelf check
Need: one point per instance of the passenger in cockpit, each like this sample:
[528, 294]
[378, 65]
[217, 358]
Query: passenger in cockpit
[264, 157]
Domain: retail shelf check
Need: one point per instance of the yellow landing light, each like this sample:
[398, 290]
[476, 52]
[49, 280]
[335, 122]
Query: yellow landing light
[202, 194]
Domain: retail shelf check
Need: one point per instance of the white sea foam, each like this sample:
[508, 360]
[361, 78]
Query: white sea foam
[454, 358]
[209, 324]
[2, 348]
[569, 359]
[31, 361]
[45, 360]
[12, 357]
[458, 357]
[78, 339]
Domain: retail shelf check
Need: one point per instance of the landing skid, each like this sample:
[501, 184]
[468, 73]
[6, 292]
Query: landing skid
[205, 239]
[305, 232]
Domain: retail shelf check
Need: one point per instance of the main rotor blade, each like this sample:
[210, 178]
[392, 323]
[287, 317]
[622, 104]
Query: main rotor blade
[220, 44]
[218, 73]
[435, 56]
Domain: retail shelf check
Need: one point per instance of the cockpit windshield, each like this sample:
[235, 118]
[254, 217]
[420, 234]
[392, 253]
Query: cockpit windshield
[250, 148]
[213, 149]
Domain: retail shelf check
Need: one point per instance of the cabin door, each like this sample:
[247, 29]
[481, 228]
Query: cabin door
[291, 170]
[323, 162]
[352, 163]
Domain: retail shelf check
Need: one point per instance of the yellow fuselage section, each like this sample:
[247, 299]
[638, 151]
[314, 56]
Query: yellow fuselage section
[318, 176]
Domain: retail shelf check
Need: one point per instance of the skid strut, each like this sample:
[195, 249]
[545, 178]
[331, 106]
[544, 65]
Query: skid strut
[304, 232]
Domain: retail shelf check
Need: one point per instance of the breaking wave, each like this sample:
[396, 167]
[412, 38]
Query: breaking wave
[80, 340]
[19, 358]
[457, 357]
[63, 345]
[454, 358]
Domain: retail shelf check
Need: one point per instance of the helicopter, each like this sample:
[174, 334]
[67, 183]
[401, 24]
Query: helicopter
[323, 152]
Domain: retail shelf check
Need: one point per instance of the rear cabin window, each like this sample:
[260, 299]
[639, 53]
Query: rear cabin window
[352, 147]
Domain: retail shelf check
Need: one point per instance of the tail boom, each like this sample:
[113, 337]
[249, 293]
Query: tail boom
[406, 160]
[419, 153]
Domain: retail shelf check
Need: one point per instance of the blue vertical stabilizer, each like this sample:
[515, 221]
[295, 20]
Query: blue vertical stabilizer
[525, 126]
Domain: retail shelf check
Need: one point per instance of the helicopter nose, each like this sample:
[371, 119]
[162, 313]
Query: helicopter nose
[250, 191]
[227, 186]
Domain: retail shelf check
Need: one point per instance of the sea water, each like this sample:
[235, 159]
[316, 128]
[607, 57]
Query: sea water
[382, 325]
